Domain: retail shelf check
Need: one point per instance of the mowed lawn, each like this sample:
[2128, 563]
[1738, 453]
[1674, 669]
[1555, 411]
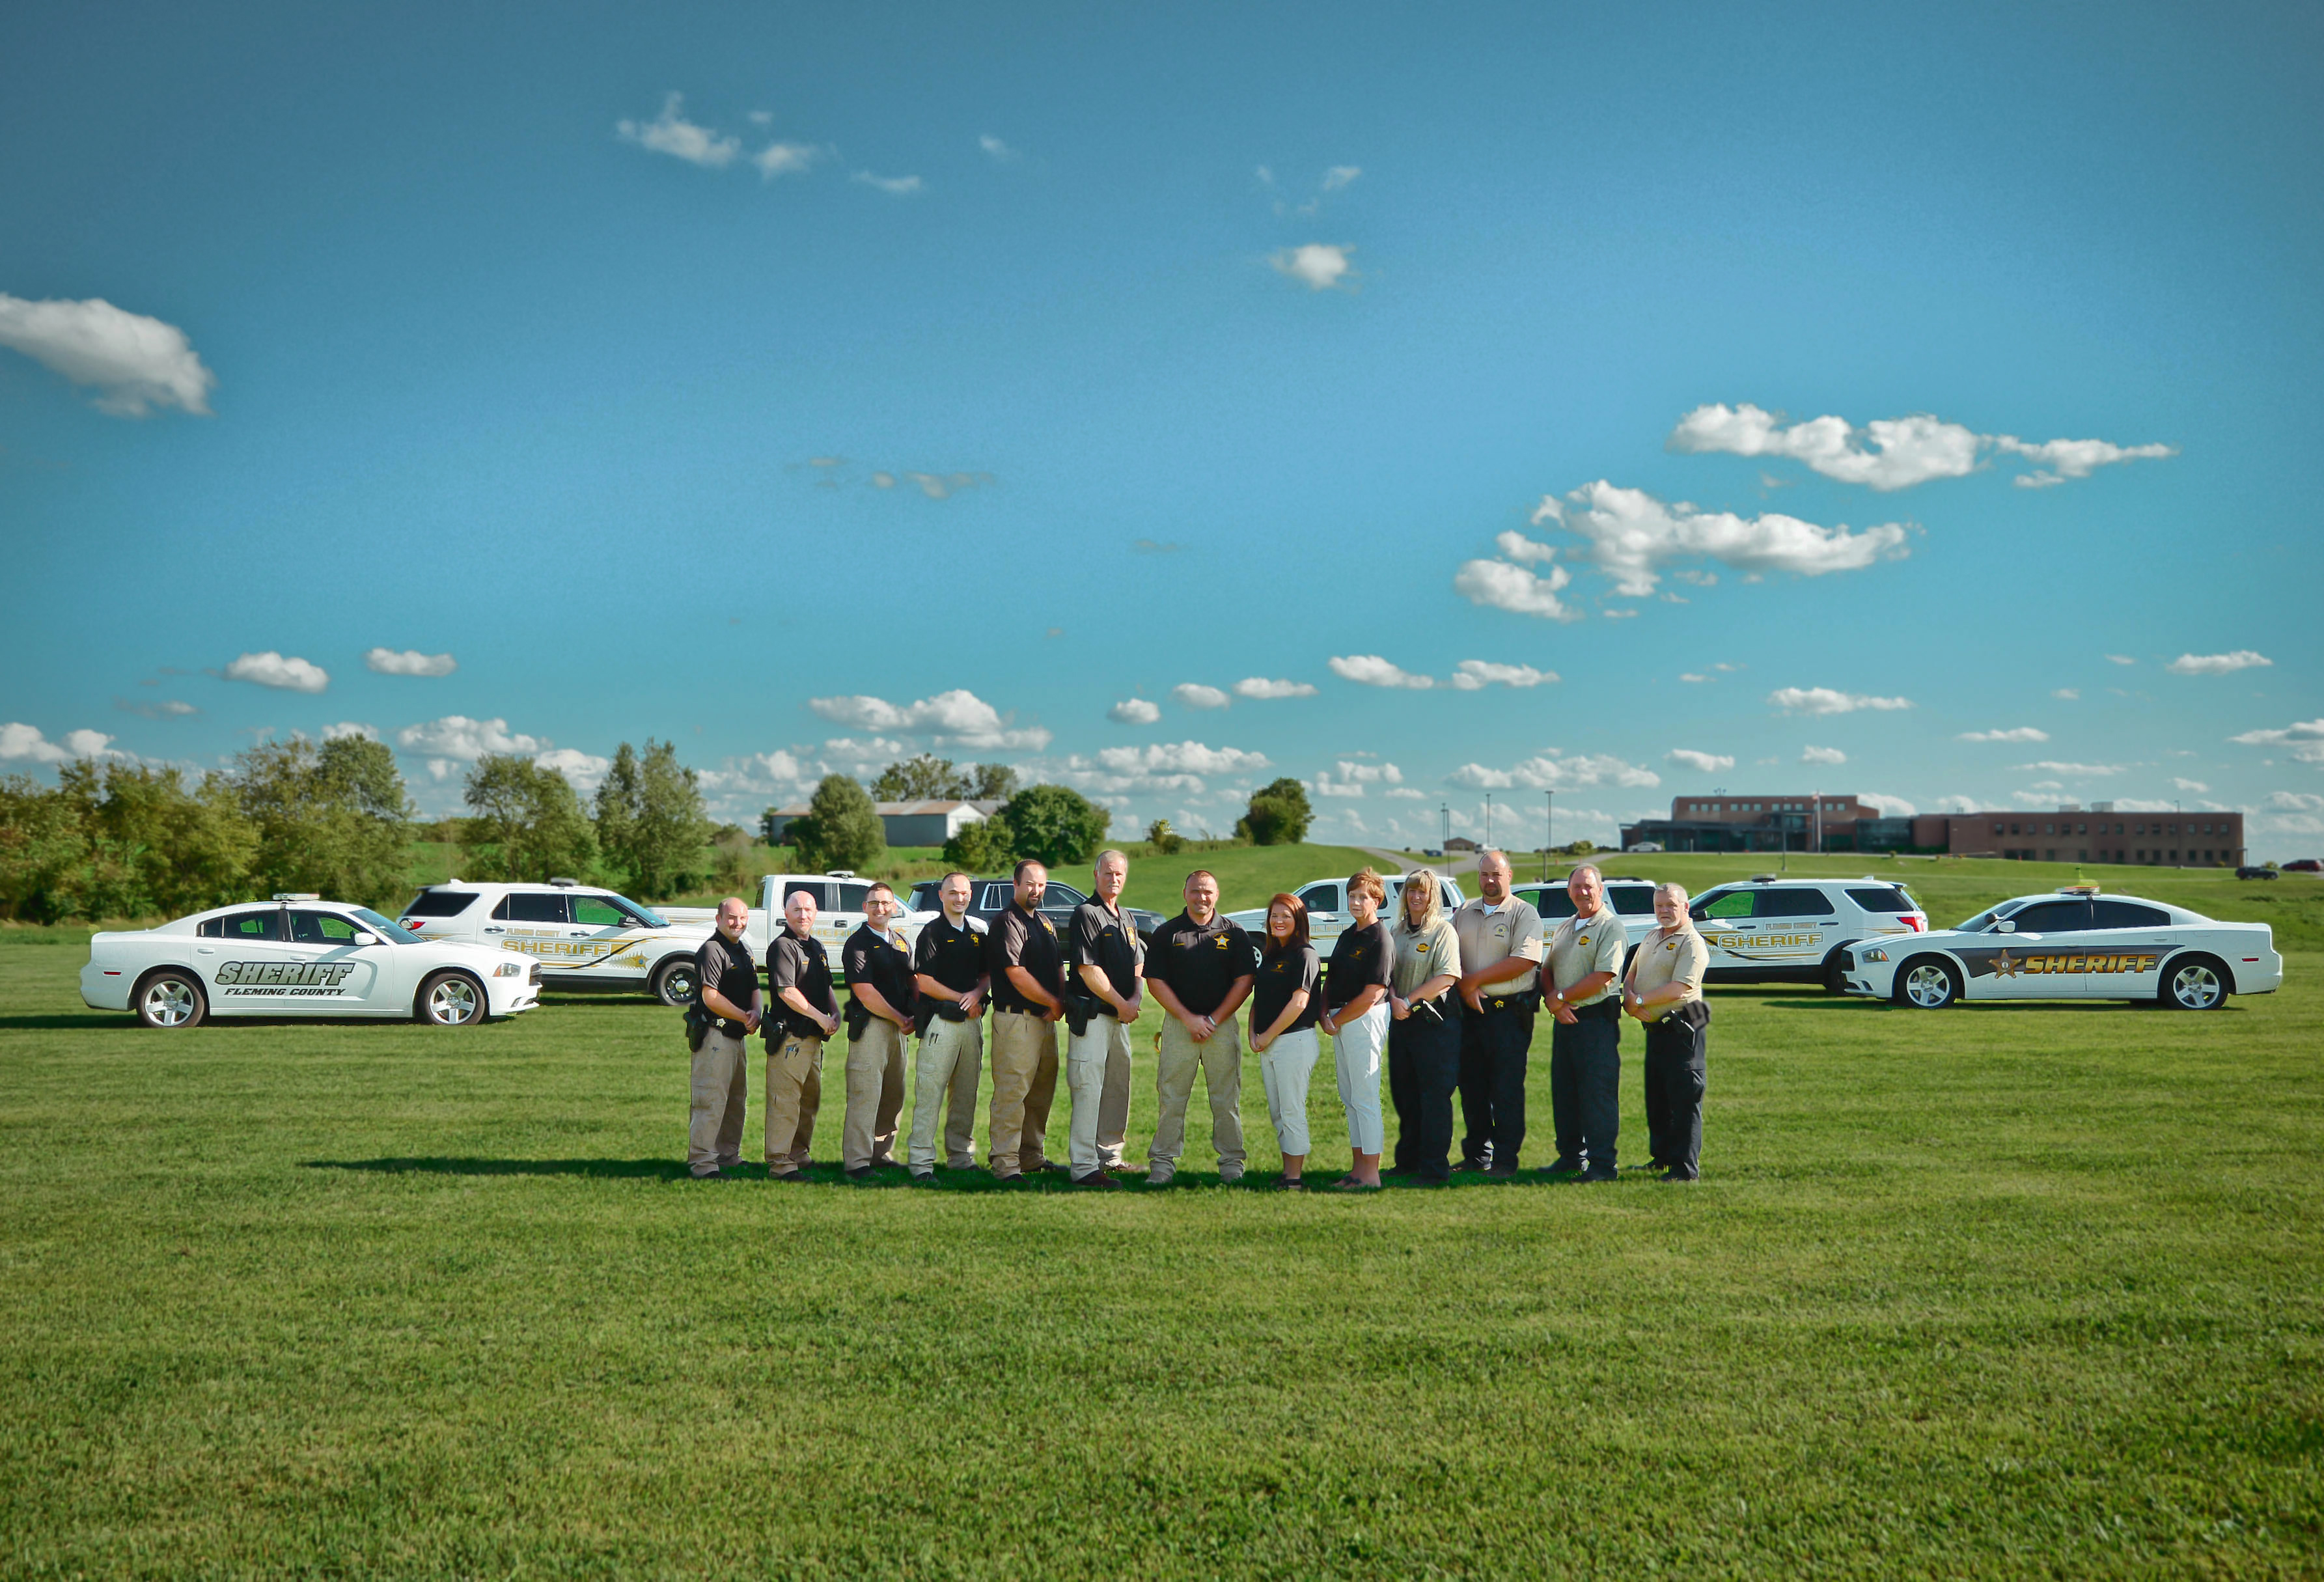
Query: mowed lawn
[2019, 1290]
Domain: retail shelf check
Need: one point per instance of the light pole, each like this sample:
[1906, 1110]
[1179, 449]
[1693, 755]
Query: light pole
[1445, 840]
[1488, 821]
[1548, 830]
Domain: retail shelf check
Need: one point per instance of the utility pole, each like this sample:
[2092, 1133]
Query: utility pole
[1445, 840]
[1548, 830]
[1488, 820]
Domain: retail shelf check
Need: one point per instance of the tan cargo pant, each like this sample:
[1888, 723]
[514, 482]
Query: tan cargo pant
[1097, 1077]
[714, 1128]
[794, 1093]
[1024, 1082]
[1219, 1059]
[875, 1095]
[944, 1076]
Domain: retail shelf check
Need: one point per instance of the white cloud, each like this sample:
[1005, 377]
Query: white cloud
[1351, 777]
[999, 151]
[1515, 546]
[863, 751]
[584, 770]
[1827, 700]
[134, 363]
[23, 742]
[1707, 763]
[1317, 265]
[2075, 771]
[786, 159]
[2067, 694]
[2294, 802]
[893, 186]
[349, 727]
[270, 669]
[1690, 676]
[1898, 808]
[1822, 756]
[1406, 793]
[672, 134]
[1890, 453]
[1550, 772]
[457, 737]
[2216, 664]
[1631, 534]
[1195, 695]
[2305, 738]
[1475, 673]
[2195, 786]
[2120, 659]
[1180, 758]
[1339, 176]
[2022, 733]
[409, 661]
[157, 707]
[958, 718]
[1135, 711]
[1371, 670]
[1500, 586]
[1259, 687]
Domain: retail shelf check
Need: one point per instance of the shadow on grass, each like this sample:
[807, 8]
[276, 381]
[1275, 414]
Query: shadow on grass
[892, 1177]
[82, 1019]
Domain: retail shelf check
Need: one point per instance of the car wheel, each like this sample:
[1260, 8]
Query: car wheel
[1928, 982]
[451, 999]
[1835, 973]
[673, 982]
[170, 998]
[2195, 983]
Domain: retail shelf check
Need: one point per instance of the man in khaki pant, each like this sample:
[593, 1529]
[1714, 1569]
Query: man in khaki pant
[948, 968]
[879, 972]
[729, 994]
[1029, 988]
[1107, 957]
[1201, 968]
[798, 976]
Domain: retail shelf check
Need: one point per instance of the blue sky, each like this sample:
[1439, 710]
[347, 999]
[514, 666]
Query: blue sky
[811, 385]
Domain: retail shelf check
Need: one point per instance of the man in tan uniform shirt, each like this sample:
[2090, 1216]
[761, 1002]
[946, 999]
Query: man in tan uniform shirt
[1584, 962]
[1665, 991]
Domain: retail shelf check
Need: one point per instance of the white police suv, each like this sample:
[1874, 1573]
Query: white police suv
[584, 938]
[2073, 943]
[1767, 929]
[1326, 901]
[1633, 900]
[301, 956]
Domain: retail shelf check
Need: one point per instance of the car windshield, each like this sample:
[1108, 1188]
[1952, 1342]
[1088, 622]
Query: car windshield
[645, 915]
[393, 932]
[1984, 920]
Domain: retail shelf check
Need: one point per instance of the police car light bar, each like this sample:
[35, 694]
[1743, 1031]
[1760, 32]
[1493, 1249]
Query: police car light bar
[566, 882]
[2077, 890]
[297, 896]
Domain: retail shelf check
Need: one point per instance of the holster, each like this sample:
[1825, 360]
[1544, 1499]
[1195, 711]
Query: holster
[697, 1027]
[1080, 1006]
[1694, 1013]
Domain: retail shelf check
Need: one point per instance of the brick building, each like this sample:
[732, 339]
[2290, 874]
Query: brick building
[2070, 834]
[1799, 822]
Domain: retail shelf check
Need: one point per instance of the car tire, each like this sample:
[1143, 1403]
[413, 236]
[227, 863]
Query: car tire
[1835, 972]
[673, 982]
[168, 999]
[451, 999]
[2195, 983]
[1928, 982]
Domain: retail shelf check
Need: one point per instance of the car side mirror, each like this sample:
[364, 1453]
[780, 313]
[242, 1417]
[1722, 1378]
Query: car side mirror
[365, 937]
[2004, 927]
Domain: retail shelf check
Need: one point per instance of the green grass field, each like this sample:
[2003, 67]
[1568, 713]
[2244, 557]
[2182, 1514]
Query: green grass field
[2005, 1290]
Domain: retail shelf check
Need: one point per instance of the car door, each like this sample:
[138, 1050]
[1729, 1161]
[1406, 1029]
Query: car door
[2132, 939]
[535, 922]
[240, 956]
[334, 973]
[605, 935]
[2035, 959]
[1723, 917]
[1798, 924]
[1327, 913]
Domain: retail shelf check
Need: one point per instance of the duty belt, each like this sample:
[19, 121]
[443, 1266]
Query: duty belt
[1529, 1000]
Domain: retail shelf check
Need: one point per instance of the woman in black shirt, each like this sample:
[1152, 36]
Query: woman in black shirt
[1355, 993]
[1282, 1012]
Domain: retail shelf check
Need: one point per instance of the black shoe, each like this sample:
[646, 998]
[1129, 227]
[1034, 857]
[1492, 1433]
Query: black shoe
[860, 1174]
[1653, 1164]
[1014, 1177]
[1470, 1163]
[1054, 1167]
[1564, 1165]
[1671, 1175]
[1098, 1180]
[1596, 1174]
[788, 1175]
[1396, 1169]
[1497, 1174]
[923, 1178]
[1291, 1184]
[716, 1175]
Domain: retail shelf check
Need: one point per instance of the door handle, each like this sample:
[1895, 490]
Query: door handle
[496, 930]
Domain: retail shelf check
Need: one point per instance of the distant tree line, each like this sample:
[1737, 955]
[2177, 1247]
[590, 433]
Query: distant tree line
[644, 832]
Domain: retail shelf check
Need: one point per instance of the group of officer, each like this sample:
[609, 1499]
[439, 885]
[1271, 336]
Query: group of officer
[1450, 1003]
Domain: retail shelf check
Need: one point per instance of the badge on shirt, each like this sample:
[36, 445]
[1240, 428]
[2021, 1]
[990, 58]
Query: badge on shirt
[1422, 949]
[1046, 923]
[1222, 941]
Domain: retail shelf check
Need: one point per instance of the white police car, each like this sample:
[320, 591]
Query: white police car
[301, 956]
[1767, 929]
[2073, 944]
[1326, 901]
[584, 938]
[1633, 900]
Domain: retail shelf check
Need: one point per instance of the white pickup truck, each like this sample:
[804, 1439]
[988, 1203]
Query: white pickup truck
[839, 898]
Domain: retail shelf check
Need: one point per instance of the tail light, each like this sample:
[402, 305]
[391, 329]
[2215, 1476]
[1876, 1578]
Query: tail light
[1916, 923]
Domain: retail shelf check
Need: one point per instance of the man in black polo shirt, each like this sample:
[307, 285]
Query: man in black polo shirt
[948, 970]
[1107, 957]
[1029, 991]
[727, 987]
[879, 971]
[1201, 968]
[798, 976]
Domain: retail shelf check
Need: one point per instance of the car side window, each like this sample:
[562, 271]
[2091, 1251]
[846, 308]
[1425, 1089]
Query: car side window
[1735, 903]
[1063, 896]
[1632, 900]
[852, 897]
[1321, 898]
[819, 893]
[596, 912]
[2127, 914]
[1881, 898]
[2052, 917]
[244, 925]
[1790, 901]
[1554, 904]
[533, 907]
[320, 928]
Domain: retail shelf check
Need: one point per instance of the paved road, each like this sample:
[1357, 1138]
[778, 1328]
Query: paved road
[1466, 863]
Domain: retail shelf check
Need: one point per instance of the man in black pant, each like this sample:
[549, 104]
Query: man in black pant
[1664, 989]
[1500, 952]
[1585, 1047]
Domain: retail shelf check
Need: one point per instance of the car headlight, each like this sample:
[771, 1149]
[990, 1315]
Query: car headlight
[508, 970]
[1875, 954]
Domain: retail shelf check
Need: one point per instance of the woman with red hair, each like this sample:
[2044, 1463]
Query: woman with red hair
[1283, 1007]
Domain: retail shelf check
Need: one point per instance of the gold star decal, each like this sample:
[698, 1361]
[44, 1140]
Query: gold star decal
[2004, 967]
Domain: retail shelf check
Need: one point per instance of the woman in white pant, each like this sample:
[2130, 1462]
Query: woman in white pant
[1282, 1012]
[1355, 993]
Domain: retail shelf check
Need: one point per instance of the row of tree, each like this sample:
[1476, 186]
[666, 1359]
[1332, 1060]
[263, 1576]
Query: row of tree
[644, 832]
